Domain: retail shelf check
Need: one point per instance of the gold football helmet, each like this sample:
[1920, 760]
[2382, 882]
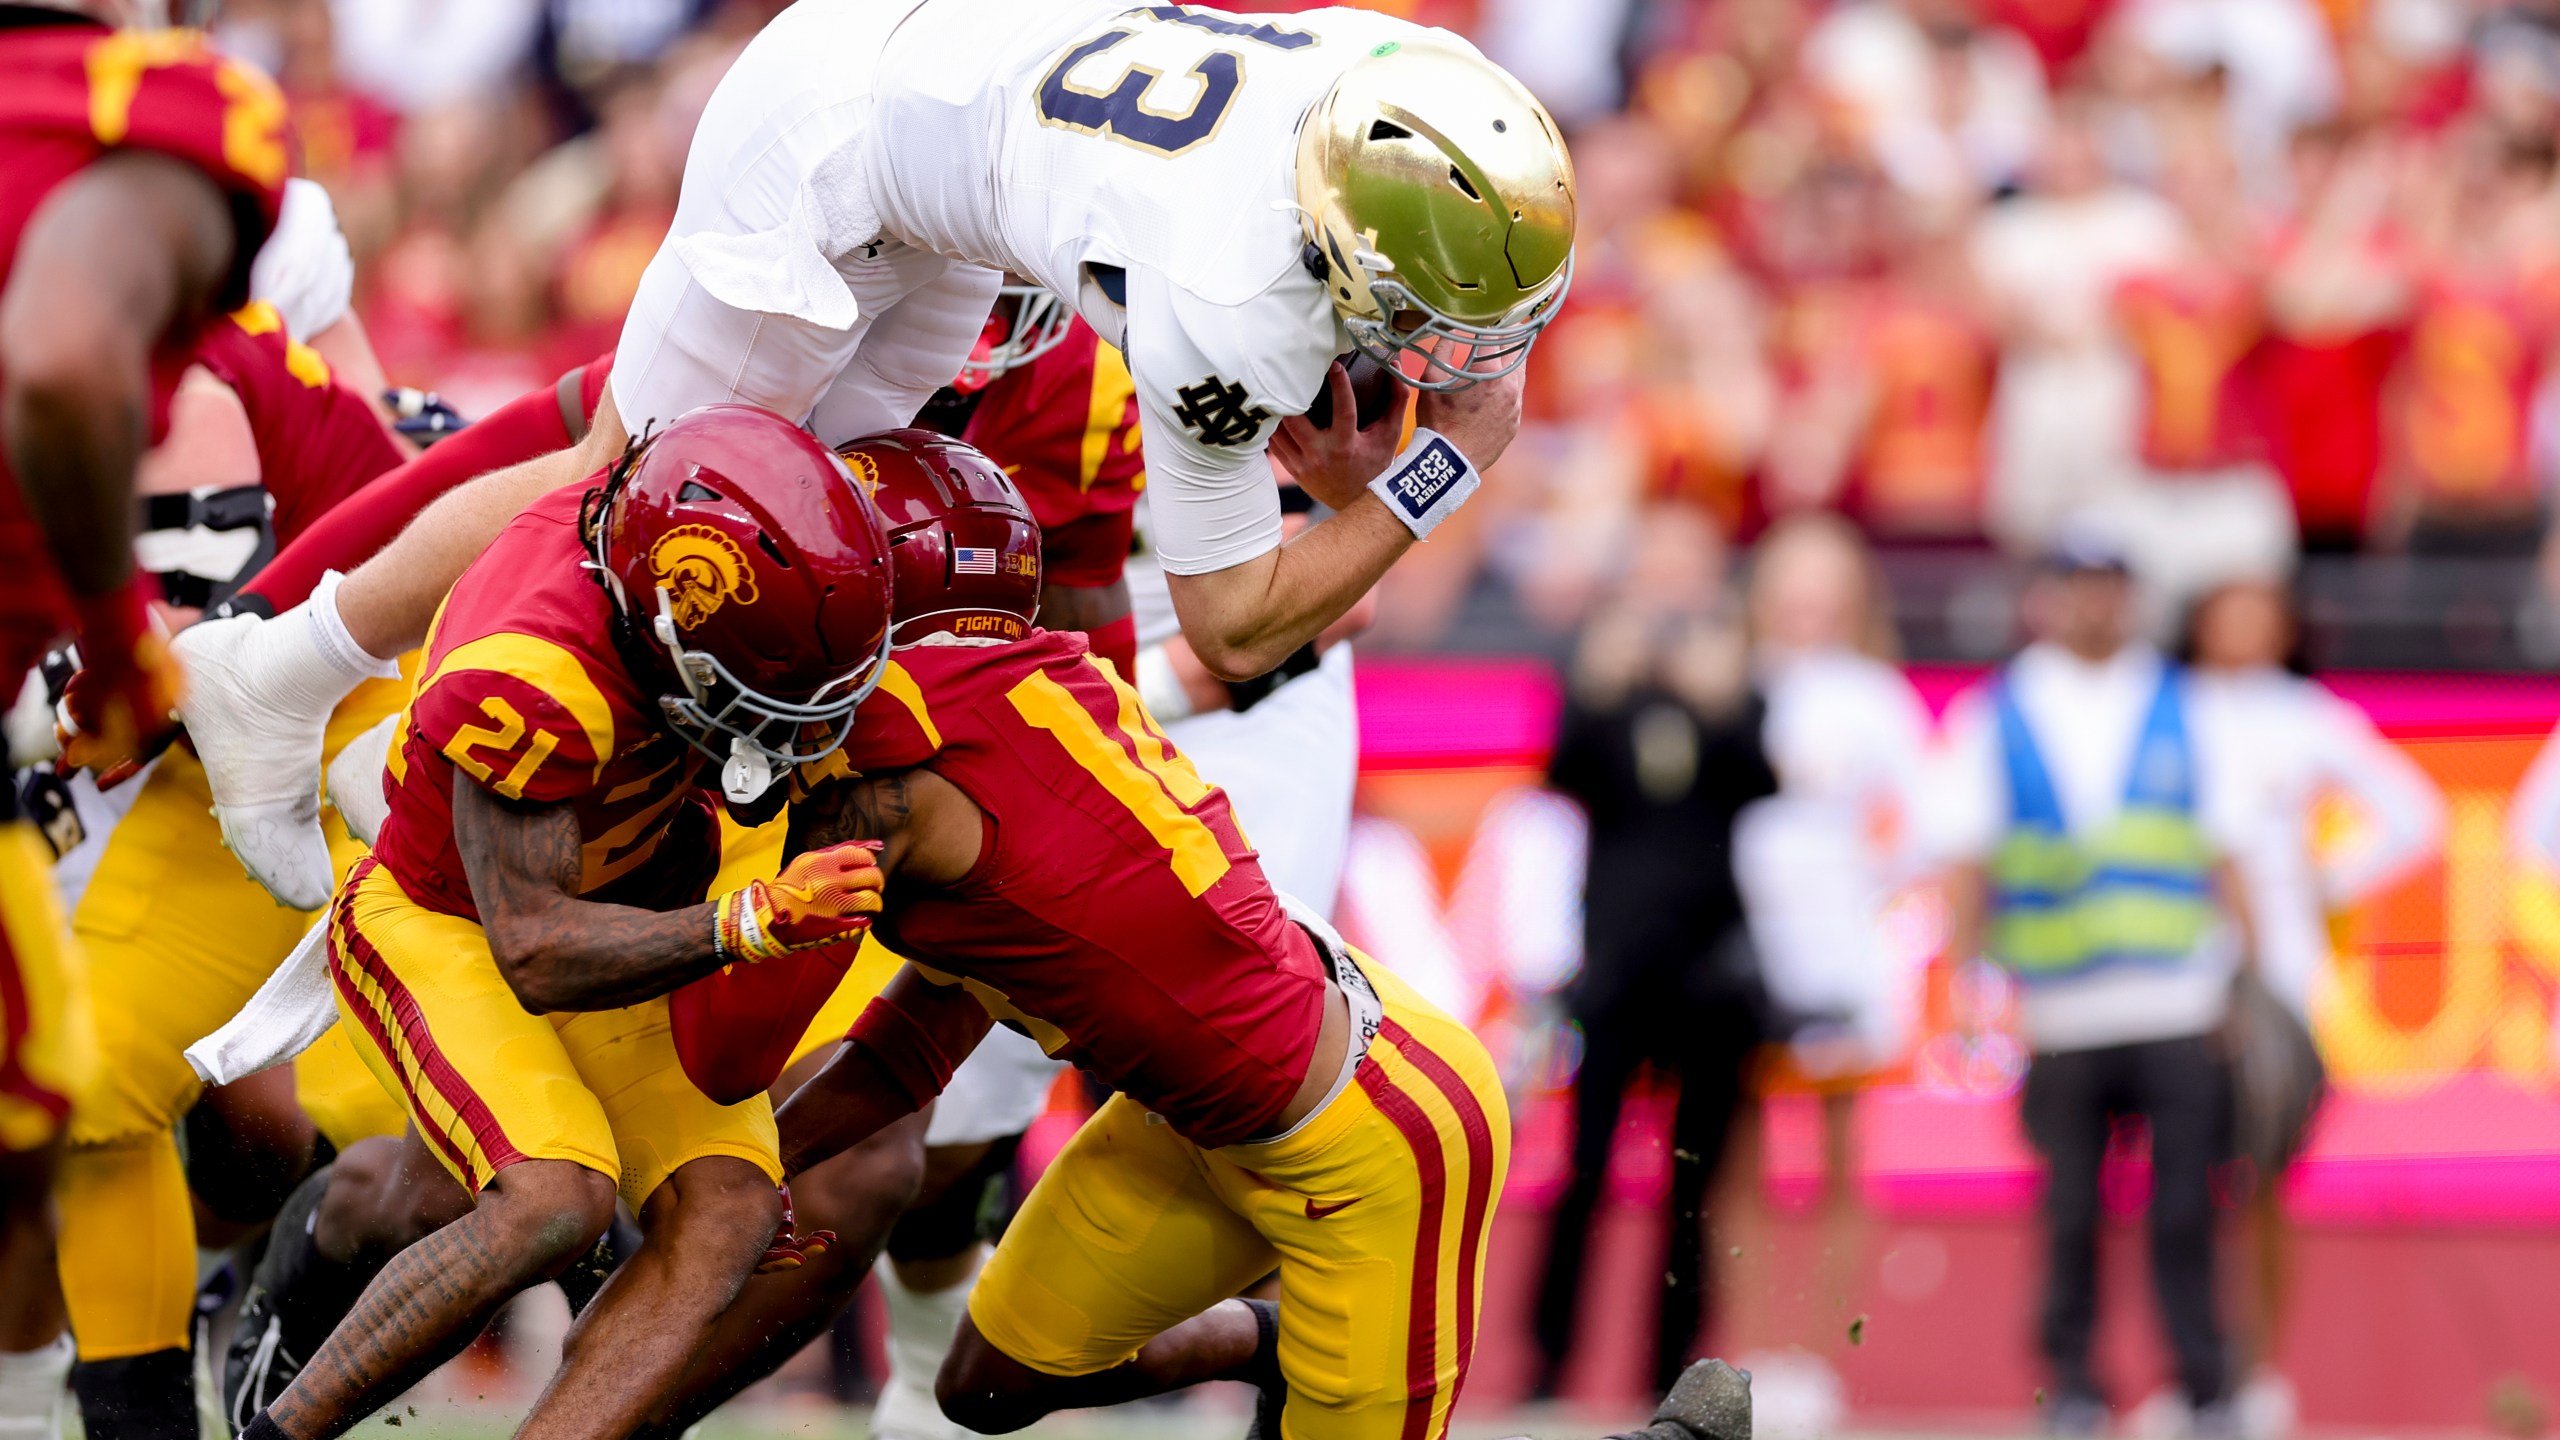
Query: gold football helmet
[1438, 204]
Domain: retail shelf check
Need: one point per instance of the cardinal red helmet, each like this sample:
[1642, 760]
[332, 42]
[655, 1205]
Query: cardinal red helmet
[754, 576]
[1026, 323]
[964, 545]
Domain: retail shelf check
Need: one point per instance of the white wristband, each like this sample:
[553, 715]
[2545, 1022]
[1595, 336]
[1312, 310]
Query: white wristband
[1159, 687]
[1426, 482]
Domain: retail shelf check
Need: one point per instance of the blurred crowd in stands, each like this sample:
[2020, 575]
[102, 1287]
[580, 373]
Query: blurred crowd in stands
[2246, 277]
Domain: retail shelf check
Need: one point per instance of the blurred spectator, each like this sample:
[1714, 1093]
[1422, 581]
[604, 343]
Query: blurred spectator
[2271, 62]
[1570, 56]
[2483, 238]
[418, 55]
[1818, 864]
[346, 134]
[1660, 743]
[2065, 411]
[1891, 386]
[2089, 845]
[2290, 748]
[1654, 385]
[1952, 105]
[2337, 296]
[1845, 736]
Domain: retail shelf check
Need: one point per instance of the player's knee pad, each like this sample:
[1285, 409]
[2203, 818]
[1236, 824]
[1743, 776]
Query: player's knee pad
[127, 1250]
[138, 1397]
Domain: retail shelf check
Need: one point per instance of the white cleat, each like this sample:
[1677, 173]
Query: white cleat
[258, 698]
[355, 780]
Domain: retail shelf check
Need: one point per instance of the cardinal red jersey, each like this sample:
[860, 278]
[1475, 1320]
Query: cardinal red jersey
[2460, 411]
[522, 691]
[1920, 467]
[1065, 427]
[318, 441]
[1115, 908]
[2193, 335]
[2324, 426]
[70, 91]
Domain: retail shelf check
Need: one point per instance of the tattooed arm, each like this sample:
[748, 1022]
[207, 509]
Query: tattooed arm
[862, 807]
[930, 830]
[557, 951]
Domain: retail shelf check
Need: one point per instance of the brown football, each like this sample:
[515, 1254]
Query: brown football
[1374, 386]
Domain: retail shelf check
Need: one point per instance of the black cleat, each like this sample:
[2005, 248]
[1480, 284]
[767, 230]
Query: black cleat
[1711, 1400]
[139, 1397]
[263, 1359]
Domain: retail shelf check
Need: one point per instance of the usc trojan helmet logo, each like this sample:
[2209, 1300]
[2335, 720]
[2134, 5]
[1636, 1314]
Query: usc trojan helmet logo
[701, 570]
[866, 472]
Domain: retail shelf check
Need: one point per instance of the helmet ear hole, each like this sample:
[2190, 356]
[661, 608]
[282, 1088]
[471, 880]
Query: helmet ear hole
[765, 542]
[1458, 178]
[695, 492]
[1388, 130]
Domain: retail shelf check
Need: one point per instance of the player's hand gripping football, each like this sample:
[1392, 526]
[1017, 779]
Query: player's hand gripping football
[1329, 452]
[791, 1246]
[820, 898]
[121, 706]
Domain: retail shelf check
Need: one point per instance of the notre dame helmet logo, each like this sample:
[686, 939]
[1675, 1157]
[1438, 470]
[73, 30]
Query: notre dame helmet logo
[701, 569]
[1216, 412]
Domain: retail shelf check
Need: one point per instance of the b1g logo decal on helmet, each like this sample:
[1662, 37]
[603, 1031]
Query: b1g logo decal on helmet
[701, 569]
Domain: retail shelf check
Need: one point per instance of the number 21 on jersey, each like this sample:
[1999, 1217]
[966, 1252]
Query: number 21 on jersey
[1120, 111]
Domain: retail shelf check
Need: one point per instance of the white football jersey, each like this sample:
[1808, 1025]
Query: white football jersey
[1160, 140]
[1138, 160]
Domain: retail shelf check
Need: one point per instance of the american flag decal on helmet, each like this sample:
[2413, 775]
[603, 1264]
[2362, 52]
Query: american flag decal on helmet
[973, 560]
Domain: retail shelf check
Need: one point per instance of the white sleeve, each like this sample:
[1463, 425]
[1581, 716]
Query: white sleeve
[1902, 733]
[1211, 500]
[305, 269]
[2406, 809]
[1967, 791]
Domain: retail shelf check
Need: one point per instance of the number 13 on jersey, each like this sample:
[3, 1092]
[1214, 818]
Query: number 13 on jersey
[1120, 111]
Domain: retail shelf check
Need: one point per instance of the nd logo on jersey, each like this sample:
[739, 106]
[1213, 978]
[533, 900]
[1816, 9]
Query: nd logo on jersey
[702, 570]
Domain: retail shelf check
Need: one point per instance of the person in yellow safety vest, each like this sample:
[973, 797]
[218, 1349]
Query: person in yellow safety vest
[2089, 837]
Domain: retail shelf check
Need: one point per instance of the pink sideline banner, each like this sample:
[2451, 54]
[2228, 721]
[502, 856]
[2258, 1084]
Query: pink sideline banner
[2445, 1108]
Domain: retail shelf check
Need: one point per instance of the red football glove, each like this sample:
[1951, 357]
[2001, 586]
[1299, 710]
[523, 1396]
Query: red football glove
[122, 707]
[818, 899]
[735, 1028]
[792, 1248]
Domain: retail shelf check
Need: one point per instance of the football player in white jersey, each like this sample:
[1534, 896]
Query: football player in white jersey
[1234, 201]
